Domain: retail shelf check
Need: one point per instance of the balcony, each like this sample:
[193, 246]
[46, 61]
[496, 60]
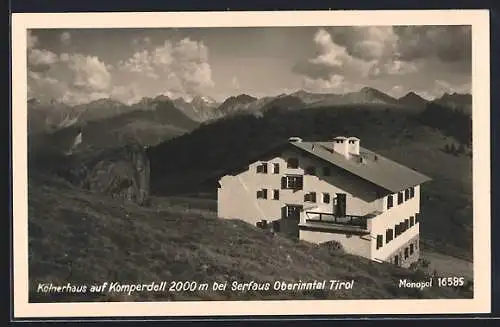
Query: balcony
[321, 221]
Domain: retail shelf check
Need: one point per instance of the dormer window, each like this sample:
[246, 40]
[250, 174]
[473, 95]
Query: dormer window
[262, 168]
[390, 201]
[276, 168]
[262, 194]
[400, 197]
[412, 192]
[292, 163]
[310, 197]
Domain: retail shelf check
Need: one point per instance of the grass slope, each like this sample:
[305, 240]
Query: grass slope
[79, 237]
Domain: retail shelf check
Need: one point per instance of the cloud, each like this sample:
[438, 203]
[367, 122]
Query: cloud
[64, 57]
[65, 38]
[140, 63]
[31, 40]
[351, 54]
[331, 60]
[71, 78]
[335, 83]
[235, 83]
[366, 42]
[179, 68]
[89, 73]
[447, 43]
[371, 54]
[41, 60]
[397, 91]
[128, 94]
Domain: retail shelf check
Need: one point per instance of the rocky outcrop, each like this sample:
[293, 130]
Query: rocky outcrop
[119, 172]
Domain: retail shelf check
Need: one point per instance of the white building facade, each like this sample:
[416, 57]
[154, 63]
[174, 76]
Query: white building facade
[330, 191]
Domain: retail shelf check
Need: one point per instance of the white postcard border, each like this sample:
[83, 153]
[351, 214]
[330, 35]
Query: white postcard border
[478, 19]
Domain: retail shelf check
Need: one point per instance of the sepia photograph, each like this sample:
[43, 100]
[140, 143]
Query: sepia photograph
[261, 163]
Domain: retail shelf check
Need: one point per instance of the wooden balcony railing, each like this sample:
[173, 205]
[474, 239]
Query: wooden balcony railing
[330, 218]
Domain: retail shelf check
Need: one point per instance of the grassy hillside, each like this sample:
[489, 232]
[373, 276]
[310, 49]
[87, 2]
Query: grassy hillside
[78, 237]
[192, 163]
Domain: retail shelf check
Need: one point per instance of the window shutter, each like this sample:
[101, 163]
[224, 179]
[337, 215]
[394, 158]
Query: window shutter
[300, 183]
[283, 182]
[380, 241]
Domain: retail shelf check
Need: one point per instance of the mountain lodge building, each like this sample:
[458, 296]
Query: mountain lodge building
[330, 191]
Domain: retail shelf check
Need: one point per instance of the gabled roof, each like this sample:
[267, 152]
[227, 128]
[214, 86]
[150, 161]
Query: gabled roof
[373, 168]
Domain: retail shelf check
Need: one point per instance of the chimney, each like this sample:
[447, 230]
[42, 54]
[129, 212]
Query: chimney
[353, 145]
[340, 146]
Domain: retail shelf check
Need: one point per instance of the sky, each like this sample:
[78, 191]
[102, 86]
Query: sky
[82, 65]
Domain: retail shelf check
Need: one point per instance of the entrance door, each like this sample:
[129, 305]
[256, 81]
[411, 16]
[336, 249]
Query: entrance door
[291, 219]
[340, 205]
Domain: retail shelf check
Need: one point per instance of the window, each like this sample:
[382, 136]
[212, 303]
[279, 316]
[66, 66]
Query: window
[292, 163]
[262, 194]
[400, 197]
[416, 244]
[402, 227]
[380, 241]
[412, 192]
[292, 182]
[292, 211]
[310, 170]
[407, 194]
[417, 218]
[262, 168]
[407, 224]
[390, 202]
[276, 168]
[276, 195]
[412, 221]
[326, 171]
[411, 249]
[406, 253]
[388, 235]
[397, 231]
[310, 197]
[326, 198]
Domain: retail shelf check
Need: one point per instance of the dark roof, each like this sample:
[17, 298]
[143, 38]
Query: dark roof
[374, 168]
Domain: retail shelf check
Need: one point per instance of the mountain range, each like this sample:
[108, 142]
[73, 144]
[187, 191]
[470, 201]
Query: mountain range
[152, 120]
[54, 115]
